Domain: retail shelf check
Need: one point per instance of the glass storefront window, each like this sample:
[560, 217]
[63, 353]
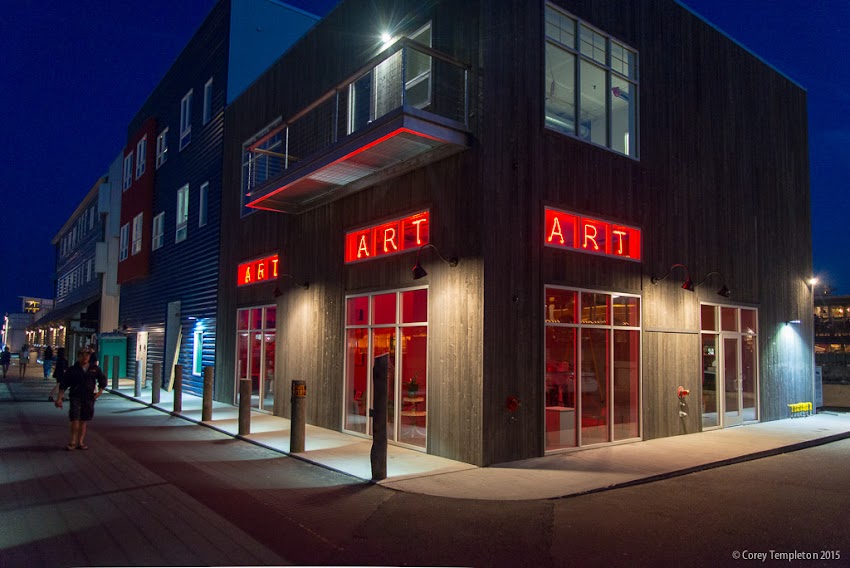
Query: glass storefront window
[592, 383]
[728, 319]
[749, 322]
[708, 316]
[403, 335]
[560, 306]
[595, 308]
[729, 366]
[255, 354]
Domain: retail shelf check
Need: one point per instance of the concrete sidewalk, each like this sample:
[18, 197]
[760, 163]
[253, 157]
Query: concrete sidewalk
[554, 476]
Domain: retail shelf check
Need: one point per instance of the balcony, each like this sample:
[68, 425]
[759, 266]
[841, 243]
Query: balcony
[406, 108]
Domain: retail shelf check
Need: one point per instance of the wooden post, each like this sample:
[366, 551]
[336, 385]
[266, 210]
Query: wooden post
[378, 455]
[157, 383]
[297, 428]
[140, 372]
[178, 389]
[244, 407]
[206, 410]
[115, 369]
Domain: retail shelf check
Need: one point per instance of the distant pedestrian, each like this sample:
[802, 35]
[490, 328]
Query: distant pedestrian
[81, 380]
[58, 371]
[47, 361]
[23, 359]
[5, 360]
[94, 356]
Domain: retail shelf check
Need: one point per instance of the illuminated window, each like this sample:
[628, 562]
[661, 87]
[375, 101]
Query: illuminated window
[393, 324]
[141, 156]
[591, 86]
[592, 375]
[208, 92]
[255, 353]
[202, 208]
[137, 233]
[158, 231]
[162, 147]
[125, 238]
[182, 214]
[186, 119]
[198, 353]
[128, 171]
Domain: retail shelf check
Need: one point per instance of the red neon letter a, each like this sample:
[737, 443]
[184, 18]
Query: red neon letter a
[556, 230]
[362, 247]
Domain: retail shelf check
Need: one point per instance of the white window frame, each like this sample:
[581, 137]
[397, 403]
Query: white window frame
[204, 202]
[141, 155]
[128, 172]
[162, 147]
[125, 238]
[138, 224]
[208, 93]
[158, 231]
[186, 119]
[182, 220]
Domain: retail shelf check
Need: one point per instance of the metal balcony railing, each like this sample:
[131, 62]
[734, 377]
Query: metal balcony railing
[407, 75]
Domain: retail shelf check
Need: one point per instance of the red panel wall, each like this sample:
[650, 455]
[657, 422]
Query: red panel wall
[138, 198]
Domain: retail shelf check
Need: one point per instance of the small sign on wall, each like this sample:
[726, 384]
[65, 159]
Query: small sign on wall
[595, 236]
[259, 270]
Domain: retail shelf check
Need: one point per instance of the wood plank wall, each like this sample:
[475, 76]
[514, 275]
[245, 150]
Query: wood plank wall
[721, 184]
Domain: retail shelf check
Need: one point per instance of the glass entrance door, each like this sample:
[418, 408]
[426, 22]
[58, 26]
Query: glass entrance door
[733, 408]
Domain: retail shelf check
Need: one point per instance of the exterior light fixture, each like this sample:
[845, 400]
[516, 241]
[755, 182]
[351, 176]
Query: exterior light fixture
[688, 284]
[813, 281]
[724, 290]
[386, 38]
[792, 322]
[419, 272]
[277, 293]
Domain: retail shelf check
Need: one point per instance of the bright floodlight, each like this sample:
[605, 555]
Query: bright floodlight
[386, 38]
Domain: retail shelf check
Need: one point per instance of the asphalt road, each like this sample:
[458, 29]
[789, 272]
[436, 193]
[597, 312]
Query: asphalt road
[158, 490]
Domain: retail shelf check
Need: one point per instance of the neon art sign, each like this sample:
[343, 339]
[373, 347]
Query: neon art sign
[393, 237]
[570, 231]
[260, 270]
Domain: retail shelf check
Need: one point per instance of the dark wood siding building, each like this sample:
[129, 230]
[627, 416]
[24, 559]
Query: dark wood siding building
[601, 172]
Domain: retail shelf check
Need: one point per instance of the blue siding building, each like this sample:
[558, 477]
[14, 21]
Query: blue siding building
[170, 219]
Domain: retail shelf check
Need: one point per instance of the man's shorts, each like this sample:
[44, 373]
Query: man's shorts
[80, 409]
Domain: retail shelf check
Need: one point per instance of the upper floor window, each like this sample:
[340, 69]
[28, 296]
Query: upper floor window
[208, 92]
[162, 147]
[158, 231]
[124, 243]
[137, 233]
[202, 208]
[591, 85]
[182, 213]
[186, 120]
[128, 171]
[141, 155]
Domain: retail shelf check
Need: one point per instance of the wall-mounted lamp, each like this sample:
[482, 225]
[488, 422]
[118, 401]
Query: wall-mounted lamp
[792, 322]
[419, 272]
[812, 281]
[277, 293]
[688, 285]
[724, 291]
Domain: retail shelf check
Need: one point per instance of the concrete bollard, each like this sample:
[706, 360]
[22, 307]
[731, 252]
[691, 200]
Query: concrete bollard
[115, 369]
[140, 372]
[206, 410]
[157, 383]
[297, 429]
[244, 407]
[178, 389]
[378, 455]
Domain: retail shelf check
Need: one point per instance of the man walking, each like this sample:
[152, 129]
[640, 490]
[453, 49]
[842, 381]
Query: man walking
[80, 380]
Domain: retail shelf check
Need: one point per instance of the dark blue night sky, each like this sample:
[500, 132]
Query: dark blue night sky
[75, 73]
